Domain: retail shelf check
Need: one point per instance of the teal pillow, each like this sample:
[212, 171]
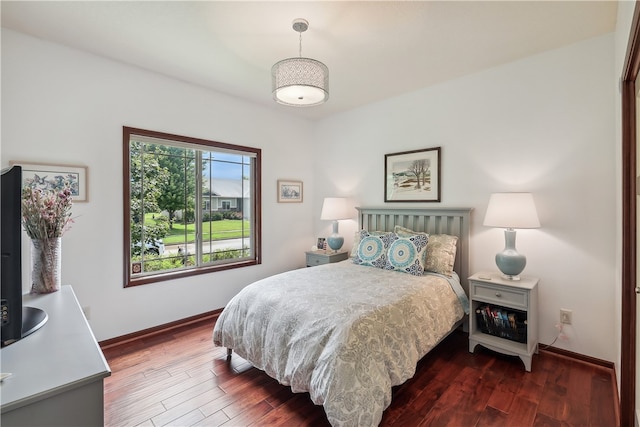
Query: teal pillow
[440, 255]
[407, 254]
[372, 249]
[356, 240]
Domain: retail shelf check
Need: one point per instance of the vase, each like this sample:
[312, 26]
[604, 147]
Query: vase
[46, 265]
[509, 261]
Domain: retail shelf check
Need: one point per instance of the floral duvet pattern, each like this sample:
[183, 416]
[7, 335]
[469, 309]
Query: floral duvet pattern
[345, 333]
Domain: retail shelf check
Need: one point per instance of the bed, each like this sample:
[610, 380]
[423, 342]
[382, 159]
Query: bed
[348, 332]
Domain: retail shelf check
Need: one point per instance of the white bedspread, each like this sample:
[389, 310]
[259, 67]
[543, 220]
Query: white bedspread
[343, 332]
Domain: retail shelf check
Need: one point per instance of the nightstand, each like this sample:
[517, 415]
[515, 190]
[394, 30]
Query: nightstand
[321, 257]
[504, 315]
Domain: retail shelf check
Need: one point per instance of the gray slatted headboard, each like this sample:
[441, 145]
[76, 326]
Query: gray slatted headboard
[453, 221]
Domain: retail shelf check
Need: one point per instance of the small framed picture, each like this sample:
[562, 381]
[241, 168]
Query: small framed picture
[412, 176]
[289, 191]
[321, 243]
[55, 177]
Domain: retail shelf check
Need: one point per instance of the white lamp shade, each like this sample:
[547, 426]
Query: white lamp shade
[300, 82]
[511, 210]
[335, 208]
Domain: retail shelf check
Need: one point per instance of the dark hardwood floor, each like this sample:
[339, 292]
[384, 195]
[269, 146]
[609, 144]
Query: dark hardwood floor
[180, 379]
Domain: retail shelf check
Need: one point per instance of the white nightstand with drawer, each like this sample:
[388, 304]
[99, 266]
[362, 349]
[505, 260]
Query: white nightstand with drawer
[504, 315]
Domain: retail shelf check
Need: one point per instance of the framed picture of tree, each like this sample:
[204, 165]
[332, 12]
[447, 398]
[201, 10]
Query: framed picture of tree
[412, 176]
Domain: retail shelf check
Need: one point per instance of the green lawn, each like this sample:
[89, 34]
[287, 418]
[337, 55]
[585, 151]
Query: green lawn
[214, 230]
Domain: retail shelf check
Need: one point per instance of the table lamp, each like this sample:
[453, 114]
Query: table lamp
[334, 209]
[511, 211]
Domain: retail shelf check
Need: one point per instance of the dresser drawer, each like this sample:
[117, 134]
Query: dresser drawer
[321, 257]
[500, 295]
[314, 259]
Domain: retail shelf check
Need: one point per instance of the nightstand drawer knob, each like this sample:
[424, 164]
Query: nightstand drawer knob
[498, 295]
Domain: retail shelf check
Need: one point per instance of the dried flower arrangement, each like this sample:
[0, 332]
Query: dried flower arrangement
[46, 214]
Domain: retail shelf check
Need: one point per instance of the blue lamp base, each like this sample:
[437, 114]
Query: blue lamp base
[335, 241]
[509, 261]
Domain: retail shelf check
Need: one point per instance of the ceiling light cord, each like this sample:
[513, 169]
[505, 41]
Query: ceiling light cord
[300, 26]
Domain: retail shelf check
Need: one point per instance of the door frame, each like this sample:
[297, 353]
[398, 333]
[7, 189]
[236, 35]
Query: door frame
[628, 310]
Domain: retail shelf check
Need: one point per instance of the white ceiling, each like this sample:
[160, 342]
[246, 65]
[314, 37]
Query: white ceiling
[374, 50]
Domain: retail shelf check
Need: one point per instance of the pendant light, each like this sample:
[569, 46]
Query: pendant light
[300, 82]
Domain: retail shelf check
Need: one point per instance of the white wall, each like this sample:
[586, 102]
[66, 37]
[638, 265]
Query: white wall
[64, 106]
[544, 124]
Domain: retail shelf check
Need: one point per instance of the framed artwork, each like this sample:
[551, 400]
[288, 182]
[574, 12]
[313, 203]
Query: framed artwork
[289, 191]
[412, 176]
[55, 177]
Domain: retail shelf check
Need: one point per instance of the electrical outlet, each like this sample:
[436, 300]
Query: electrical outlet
[565, 316]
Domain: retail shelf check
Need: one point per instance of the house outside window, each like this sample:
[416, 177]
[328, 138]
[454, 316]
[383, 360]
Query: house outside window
[165, 177]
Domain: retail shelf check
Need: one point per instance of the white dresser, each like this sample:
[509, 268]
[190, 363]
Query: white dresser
[57, 372]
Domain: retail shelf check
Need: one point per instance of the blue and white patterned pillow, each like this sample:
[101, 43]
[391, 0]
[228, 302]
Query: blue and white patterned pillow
[372, 249]
[407, 254]
[356, 240]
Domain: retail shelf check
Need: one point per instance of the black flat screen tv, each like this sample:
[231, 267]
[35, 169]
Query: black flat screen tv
[17, 321]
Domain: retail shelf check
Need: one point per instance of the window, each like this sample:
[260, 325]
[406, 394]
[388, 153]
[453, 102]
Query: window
[165, 178]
